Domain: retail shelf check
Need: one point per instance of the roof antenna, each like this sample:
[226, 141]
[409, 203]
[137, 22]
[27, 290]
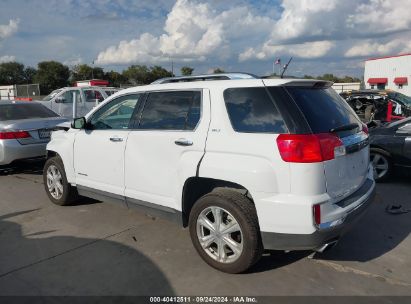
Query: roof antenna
[285, 67]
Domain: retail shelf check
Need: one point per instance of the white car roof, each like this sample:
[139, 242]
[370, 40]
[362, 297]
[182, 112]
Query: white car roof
[225, 84]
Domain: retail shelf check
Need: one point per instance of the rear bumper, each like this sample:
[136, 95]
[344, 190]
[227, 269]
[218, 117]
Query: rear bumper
[12, 150]
[315, 240]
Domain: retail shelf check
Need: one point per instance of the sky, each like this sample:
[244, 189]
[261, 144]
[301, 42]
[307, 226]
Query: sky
[322, 36]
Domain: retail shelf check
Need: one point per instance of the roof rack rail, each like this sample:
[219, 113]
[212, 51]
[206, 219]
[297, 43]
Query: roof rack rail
[206, 77]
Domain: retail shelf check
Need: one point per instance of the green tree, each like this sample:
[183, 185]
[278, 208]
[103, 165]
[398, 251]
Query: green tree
[115, 79]
[141, 74]
[328, 77]
[11, 73]
[186, 71]
[85, 72]
[136, 74]
[218, 71]
[51, 75]
[157, 72]
[333, 78]
[29, 74]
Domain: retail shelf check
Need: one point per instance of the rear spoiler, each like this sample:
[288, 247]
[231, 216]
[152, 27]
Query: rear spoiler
[317, 84]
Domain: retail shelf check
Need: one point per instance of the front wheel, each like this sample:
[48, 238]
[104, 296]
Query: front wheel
[59, 191]
[225, 232]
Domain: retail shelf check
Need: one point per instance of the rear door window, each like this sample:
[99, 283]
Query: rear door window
[323, 109]
[252, 110]
[171, 111]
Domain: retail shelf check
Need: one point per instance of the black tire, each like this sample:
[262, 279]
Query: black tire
[369, 113]
[384, 158]
[243, 211]
[69, 195]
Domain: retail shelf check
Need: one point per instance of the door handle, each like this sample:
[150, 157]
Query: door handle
[183, 142]
[116, 139]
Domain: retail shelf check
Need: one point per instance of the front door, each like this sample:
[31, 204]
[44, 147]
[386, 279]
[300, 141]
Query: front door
[166, 146]
[99, 149]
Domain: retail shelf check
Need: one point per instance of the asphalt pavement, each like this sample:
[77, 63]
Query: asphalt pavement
[96, 248]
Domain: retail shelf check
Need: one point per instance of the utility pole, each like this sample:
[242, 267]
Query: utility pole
[92, 69]
[172, 67]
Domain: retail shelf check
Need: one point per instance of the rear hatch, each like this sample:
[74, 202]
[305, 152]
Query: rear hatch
[326, 112]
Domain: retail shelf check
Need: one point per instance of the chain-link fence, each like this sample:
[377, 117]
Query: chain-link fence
[29, 91]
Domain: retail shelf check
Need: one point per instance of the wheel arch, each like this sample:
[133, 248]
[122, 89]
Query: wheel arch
[67, 162]
[195, 187]
[376, 148]
[51, 153]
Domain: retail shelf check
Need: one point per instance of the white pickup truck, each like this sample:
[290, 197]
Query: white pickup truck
[60, 101]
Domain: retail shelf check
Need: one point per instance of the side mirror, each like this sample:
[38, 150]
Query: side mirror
[60, 99]
[78, 123]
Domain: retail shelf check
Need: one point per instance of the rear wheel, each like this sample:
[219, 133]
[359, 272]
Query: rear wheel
[382, 164]
[59, 191]
[225, 232]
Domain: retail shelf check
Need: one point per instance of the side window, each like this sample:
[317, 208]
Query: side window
[68, 96]
[171, 111]
[116, 114]
[93, 96]
[251, 110]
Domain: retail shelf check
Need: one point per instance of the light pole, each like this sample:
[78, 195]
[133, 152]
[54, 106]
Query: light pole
[92, 69]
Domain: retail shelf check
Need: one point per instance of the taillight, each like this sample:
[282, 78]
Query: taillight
[317, 214]
[365, 129]
[14, 134]
[309, 148]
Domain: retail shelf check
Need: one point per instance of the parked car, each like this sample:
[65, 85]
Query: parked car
[25, 130]
[61, 100]
[110, 90]
[391, 148]
[247, 164]
[380, 105]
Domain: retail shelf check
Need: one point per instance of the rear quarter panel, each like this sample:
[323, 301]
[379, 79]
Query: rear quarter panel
[248, 159]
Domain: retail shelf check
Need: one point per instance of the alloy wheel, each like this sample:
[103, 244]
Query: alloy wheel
[380, 165]
[54, 182]
[219, 234]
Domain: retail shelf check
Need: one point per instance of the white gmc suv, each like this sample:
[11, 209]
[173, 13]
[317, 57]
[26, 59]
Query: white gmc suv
[246, 163]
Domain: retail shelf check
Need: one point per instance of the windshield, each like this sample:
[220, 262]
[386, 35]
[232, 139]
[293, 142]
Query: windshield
[52, 95]
[400, 97]
[24, 111]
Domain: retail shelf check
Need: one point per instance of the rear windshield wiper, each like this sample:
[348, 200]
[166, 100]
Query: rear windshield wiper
[348, 127]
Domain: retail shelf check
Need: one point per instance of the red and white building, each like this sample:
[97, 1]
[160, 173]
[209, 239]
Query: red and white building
[390, 72]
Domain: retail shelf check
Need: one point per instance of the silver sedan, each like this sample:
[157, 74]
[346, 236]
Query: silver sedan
[25, 129]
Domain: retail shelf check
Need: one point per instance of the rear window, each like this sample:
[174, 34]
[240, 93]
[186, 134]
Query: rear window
[251, 110]
[24, 111]
[323, 109]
